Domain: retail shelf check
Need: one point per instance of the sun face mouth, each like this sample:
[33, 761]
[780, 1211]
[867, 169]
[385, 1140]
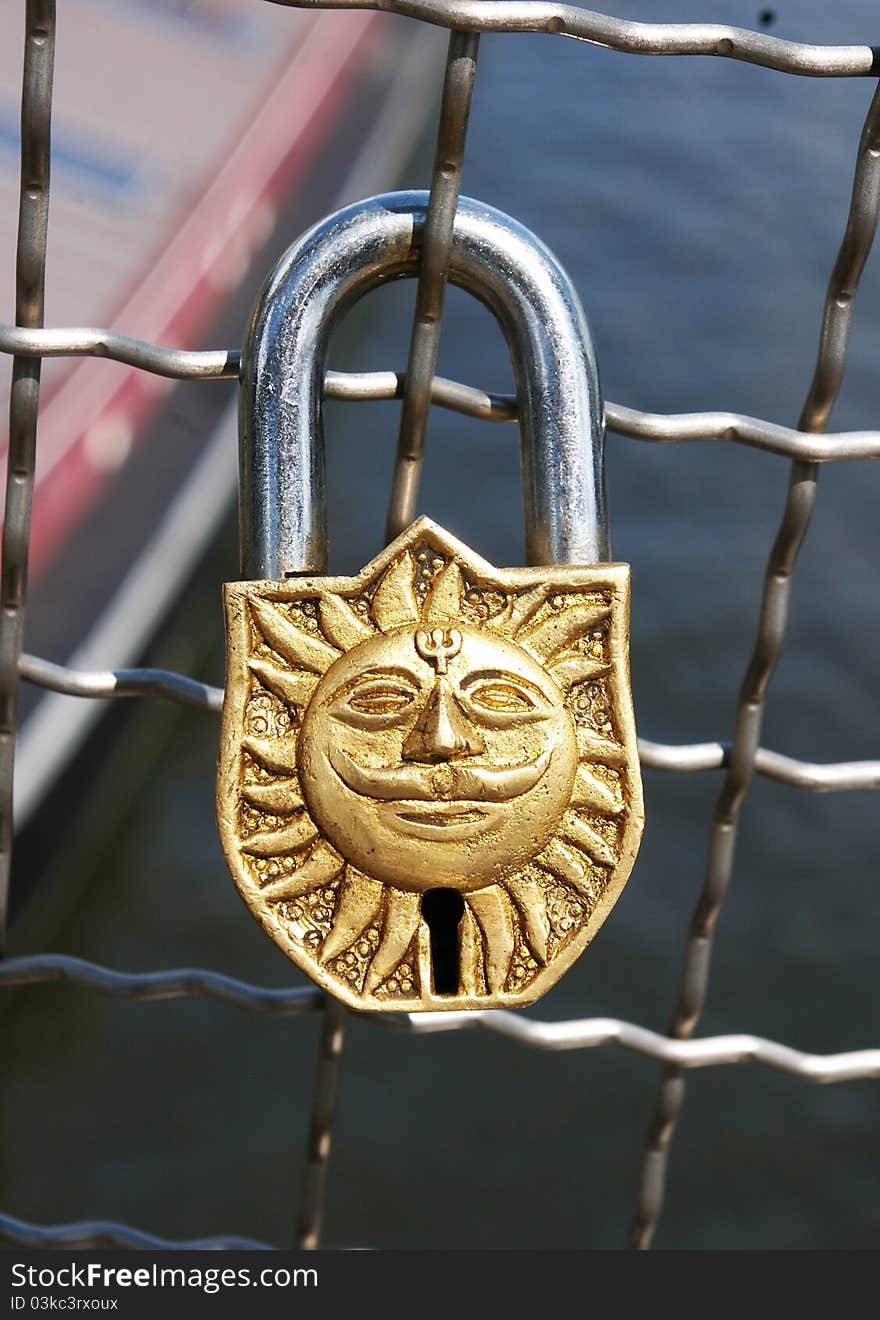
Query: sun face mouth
[450, 819]
[452, 813]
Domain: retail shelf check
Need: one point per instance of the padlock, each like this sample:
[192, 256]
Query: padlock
[428, 788]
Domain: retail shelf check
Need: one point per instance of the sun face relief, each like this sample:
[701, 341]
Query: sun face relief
[434, 723]
[463, 743]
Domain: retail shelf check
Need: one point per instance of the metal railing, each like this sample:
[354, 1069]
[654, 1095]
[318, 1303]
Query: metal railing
[807, 446]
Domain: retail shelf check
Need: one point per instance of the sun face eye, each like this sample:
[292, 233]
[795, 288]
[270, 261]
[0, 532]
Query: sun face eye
[381, 697]
[501, 698]
[375, 701]
[497, 699]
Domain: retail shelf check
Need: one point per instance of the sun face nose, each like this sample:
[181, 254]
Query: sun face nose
[442, 732]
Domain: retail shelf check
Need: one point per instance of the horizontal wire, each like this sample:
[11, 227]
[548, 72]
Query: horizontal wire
[588, 1033]
[680, 428]
[95, 1233]
[657, 428]
[625, 35]
[181, 983]
[105, 683]
[818, 777]
[357, 386]
[86, 341]
[682, 758]
[711, 1051]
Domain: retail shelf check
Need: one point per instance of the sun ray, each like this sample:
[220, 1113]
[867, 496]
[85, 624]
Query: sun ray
[520, 610]
[276, 843]
[394, 601]
[594, 794]
[341, 625]
[302, 649]
[321, 867]
[423, 958]
[567, 863]
[576, 668]
[275, 754]
[400, 924]
[293, 688]
[593, 746]
[494, 916]
[528, 897]
[468, 953]
[359, 901]
[443, 601]
[278, 799]
[557, 631]
[592, 842]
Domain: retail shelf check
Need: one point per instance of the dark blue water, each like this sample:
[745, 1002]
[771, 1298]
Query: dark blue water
[698, 205]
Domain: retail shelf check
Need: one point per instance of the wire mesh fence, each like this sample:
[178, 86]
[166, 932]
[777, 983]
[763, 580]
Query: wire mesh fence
[807, 446]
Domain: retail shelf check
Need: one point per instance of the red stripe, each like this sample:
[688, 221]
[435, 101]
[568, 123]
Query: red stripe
[98, 410]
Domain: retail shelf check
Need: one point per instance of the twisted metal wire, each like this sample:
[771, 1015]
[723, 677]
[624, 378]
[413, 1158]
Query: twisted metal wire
[24, 399]
[323, 1117]
[94, 1234]
[184, 983]
[624, 35]
[837, 315]
[574, 1034]
[455, 108]
[104, 683]
[656, 428]
[86, 341]
[814, 776]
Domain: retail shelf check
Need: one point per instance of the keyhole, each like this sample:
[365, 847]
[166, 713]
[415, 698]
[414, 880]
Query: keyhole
[443, 909]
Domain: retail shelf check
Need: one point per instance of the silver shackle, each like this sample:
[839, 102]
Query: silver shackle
[561, 415]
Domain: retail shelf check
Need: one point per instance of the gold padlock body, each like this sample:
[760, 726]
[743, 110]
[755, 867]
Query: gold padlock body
[433, 723]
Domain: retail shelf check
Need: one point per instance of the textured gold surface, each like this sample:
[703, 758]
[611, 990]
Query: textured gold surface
[434, 723]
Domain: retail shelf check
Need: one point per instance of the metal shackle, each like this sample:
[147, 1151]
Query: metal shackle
[504, 265]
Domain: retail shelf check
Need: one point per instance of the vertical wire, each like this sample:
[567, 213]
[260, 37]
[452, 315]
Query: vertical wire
[324, 1101]
[30, 282]
[773, 619]
[458, 86]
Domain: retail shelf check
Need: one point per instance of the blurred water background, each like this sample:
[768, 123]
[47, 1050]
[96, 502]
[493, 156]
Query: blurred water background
[698, 205]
